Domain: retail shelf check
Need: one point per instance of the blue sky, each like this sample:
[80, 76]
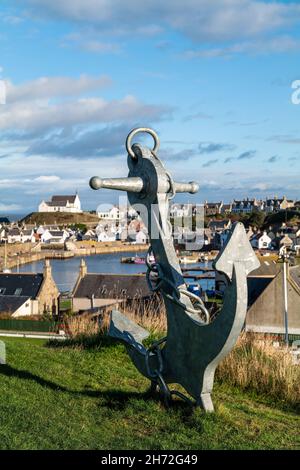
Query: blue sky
[214, 79]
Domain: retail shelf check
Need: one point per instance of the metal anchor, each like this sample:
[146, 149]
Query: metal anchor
[194, 346]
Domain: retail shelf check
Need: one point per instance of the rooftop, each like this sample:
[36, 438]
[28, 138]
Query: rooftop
[11, 303]
[113, 286]
[16, 284]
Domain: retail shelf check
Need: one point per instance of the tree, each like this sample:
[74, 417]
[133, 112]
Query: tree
[256, 219]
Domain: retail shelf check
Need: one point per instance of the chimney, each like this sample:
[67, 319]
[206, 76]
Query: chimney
[47, 269]
[82, 269]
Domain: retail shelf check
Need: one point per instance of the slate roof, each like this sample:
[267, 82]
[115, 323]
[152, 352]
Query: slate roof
[14, 231]
[266, 269]
[218, 224]
[213, 204]
[256, 285]
[260, 278]
[63, 198]
[56, 233]
[271, 235]
[227, 206]
[294, 273]
[29, 283]
[56, 203]
[244, 203]
[113, 286]
[4, 220]
[11, 303]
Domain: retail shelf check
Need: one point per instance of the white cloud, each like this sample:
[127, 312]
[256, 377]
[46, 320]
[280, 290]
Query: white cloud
[49, 87]
[37, 105]
[198, 19]
[277, 45]
[9, 207]
[47, 179]
[8, 183]
[91, 42]
[100, 47]
[13, 19]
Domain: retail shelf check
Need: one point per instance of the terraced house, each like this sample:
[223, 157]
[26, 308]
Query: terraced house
[27, 294]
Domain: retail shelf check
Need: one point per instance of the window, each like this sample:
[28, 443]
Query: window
[18, 291]
[2, 290]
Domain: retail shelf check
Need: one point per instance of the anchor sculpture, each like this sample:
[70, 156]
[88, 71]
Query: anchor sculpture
[194, 345]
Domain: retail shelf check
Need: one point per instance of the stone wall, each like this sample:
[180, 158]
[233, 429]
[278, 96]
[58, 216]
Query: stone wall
[49, 293]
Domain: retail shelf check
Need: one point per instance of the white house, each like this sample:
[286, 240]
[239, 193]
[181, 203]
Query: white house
[27, 236]
[111, 213]
[54, 236]
[106, 236]
[62, 203]
[261, 241]
[16, 305]
[89, 235]
[14, 235]
[141, 237]
[41, 229]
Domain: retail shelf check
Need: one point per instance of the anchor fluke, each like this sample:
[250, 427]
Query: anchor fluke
[126, 330]
[236, 250]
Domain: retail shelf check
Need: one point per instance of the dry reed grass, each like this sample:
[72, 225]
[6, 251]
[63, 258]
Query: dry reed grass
[82, 325]
[150, 315]
[253, 364]
[256, 364]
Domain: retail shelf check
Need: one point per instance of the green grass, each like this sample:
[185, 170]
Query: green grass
[65, 304]
[93, 398]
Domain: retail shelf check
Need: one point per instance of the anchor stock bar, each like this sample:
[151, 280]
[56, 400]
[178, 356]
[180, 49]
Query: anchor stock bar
[190, 187]
[136, 185]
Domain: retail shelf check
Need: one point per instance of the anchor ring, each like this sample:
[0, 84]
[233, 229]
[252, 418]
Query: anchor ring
[137, 131]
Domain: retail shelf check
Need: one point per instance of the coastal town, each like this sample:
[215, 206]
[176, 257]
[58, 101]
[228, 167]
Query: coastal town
[272, 228]
[272, 224]
[149, 232]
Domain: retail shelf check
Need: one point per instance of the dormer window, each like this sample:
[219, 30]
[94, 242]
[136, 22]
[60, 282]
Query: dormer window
[18, 291]
[2, 290]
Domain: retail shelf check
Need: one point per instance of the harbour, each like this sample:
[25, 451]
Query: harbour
[65, 271]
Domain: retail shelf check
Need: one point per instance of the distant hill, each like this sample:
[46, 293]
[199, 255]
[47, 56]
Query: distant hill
[59, 218]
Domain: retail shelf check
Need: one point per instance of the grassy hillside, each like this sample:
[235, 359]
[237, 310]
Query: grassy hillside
[68, 398]
[60, 218]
